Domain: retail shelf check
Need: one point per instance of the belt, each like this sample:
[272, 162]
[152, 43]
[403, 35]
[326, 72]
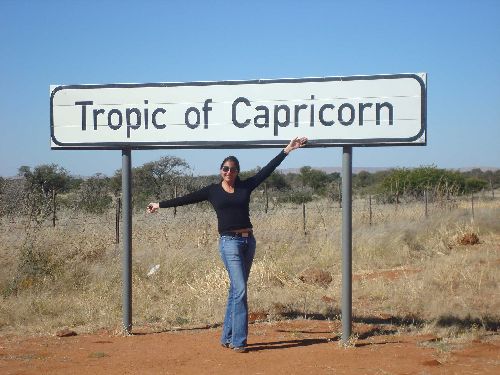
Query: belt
[237, 234]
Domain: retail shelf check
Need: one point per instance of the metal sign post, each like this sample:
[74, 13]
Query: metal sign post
[127, 240]
[346, 243]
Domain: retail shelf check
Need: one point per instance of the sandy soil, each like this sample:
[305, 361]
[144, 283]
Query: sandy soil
[287, 347]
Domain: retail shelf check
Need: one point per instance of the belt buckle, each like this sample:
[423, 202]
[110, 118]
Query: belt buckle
[245, 234]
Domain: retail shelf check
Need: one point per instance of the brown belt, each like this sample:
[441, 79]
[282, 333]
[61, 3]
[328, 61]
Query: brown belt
[237, 234]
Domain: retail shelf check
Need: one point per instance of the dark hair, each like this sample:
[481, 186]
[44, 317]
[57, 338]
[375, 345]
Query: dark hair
[235, 161]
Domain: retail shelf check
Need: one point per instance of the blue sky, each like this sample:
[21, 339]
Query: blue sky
[80, 42]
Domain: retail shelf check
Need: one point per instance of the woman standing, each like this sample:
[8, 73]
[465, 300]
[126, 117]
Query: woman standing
[230, 198]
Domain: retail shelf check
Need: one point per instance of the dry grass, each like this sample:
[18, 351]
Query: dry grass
[407, 268]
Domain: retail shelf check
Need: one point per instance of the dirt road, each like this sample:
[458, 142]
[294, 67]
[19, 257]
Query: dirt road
[287, 347]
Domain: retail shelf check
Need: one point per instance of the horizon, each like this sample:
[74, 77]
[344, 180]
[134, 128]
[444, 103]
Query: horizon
[328, 170]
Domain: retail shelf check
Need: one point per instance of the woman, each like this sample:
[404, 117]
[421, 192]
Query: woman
[230, 199]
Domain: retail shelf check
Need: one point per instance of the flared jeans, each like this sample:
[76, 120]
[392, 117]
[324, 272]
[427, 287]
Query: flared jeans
[237, 253]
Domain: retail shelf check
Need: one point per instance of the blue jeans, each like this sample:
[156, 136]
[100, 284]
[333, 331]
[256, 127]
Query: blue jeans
[237, 254]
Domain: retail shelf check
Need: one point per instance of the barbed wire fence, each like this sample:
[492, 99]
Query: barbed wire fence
[368, 209]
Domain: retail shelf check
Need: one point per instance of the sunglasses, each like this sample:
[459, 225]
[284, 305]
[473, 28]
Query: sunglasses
[229, 169]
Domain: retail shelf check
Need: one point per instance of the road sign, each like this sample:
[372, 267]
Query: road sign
[331, 111]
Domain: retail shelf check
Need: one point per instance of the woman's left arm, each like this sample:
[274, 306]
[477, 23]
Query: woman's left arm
[265, 172]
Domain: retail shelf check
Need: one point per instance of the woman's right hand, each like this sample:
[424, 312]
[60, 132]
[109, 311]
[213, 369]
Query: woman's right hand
[153, 207]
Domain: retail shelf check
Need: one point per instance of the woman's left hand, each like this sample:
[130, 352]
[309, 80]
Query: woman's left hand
[295, 143]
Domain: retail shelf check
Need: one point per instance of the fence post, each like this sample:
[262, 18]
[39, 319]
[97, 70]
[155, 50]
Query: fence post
[426, 202]
[117, 220]
[340, 194]
[53, 208]
[267, 198]
[304, 218]
[472, 205]
[175, 196]
[370, 207]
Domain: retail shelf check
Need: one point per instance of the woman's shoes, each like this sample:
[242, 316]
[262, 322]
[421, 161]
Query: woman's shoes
[239, 349]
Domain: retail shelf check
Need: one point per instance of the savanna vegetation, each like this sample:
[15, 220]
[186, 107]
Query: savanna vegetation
[421, 266]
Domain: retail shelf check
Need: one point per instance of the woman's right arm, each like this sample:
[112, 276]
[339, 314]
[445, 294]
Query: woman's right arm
[194, 197]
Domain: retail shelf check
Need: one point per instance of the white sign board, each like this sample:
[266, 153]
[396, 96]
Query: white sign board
[330, 111]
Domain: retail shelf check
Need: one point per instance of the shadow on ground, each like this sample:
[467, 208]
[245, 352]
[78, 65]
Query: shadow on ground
[393, 323]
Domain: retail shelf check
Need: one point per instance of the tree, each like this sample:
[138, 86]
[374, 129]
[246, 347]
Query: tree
[473, 185]
[362, 181]
[157, 178]
[317, 180]
[12, 196]
[276, 180]
[415, 182]
[492, 177]
[94, 194]
[41, 188]
[154, 180]
[47, 178]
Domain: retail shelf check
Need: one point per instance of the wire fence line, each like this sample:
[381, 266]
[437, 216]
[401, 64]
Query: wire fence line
[366, 210]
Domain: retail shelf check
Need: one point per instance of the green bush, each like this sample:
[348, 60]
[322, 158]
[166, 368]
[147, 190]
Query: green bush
[94, 195]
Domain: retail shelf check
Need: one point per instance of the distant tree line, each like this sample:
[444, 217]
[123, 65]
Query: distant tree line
[40, 192]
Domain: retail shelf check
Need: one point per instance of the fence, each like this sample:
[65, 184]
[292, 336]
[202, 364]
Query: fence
[366, 210]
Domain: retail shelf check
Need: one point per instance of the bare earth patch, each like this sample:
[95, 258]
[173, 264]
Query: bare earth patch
[287, 347]
[390, 274]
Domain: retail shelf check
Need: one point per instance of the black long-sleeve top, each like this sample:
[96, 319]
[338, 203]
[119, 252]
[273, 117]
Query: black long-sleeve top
[232, 209]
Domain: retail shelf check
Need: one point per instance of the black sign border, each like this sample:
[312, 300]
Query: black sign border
[369, 142]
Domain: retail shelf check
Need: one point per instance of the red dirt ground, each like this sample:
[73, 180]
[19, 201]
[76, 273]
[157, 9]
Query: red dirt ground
[286, 347]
